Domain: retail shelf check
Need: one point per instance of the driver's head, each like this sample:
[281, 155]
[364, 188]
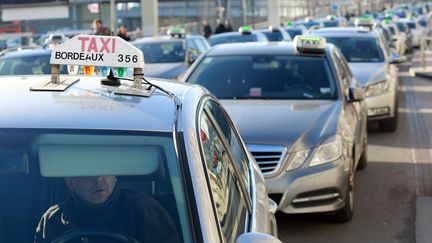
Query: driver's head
[92, 189]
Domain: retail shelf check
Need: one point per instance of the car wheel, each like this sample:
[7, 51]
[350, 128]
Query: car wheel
[345, 214]
[363, 158]
[390, 125]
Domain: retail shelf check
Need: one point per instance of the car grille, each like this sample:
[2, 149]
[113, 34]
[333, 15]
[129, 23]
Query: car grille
[268, 157]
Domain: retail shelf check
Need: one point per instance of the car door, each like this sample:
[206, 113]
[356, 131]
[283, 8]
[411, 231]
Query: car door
[354, 112]
[227, 173]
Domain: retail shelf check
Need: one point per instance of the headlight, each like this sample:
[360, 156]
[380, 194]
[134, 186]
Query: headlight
[329, 151]
[296, 159]
[377, 88]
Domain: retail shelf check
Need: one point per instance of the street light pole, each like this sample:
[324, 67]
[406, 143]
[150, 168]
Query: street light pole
[113, 15]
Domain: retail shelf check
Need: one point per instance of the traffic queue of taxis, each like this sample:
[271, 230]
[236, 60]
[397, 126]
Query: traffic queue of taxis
[123, 160]
[253, 128]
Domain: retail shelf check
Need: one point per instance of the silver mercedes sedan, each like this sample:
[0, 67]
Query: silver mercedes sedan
[373, 66]
[301, 113]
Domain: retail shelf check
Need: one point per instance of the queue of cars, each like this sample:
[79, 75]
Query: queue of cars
[258, 124]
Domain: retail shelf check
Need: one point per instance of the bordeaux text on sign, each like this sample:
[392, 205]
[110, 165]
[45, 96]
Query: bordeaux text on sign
[89, 44]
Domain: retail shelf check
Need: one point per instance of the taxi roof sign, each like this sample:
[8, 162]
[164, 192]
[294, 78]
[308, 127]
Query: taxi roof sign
[176, 31]
[364, 21]
[93, 50]
[310, 44]
[245, 29]
[290, 23]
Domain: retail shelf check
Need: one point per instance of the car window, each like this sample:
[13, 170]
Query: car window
[231, 209]
[232, 138]
[359, 49]
[273, 35]
[265, 77]
[28, 65]
[200, 45]
[401, 26]
[392, 30]
[148, 198]
[294, 32]
[216, 40]
[411, 25]
[162, 52]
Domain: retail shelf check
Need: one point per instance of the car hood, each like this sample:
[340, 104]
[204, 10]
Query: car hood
[164, 70]
[369, 72]
[284, 122]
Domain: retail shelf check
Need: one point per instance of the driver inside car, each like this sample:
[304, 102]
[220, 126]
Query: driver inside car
[97, 203]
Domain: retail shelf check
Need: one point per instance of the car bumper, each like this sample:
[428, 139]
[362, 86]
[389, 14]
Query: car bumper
[311, 189]
[381, 106]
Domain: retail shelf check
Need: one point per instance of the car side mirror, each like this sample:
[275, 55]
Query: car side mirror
[192, 56]
[256, 237]
[397, 58]
[356, 94]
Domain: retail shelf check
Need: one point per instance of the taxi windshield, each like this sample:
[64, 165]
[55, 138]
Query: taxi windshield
[401, 26]
[216, 40]
[358, 49]
[411, 25]
[162, 52]
[266, 77]
[27, 65]
[121, 183]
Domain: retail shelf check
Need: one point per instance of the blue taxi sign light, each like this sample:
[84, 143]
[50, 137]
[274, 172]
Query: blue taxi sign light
[310, 44]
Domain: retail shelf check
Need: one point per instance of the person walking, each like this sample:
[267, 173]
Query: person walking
[207, 30]
[228, 27]
[123, 33]
[99, 29]
[220, 27]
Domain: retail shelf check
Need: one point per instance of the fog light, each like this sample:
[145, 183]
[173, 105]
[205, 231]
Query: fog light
[378, 111]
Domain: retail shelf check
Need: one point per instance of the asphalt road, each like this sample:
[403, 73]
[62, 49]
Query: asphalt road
[386, 190]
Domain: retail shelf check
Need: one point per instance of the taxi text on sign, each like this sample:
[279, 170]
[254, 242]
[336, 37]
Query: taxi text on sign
[92, 50]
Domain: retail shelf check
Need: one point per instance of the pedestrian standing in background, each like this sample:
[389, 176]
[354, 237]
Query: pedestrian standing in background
[207, 31]
[220, 27]
[99, 29]
[228, 27]
[123, 33]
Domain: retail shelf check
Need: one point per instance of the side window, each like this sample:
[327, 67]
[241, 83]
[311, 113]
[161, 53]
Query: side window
[191, 46]
[339, 67]
[231, 208]
[200, 45]
[232, 139]
[345, 66]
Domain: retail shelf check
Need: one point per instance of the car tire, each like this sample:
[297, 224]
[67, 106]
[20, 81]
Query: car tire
[346, 213]
[390, 125]
[362, 164]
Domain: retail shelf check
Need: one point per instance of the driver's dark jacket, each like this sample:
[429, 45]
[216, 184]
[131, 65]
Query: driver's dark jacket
[130, 213]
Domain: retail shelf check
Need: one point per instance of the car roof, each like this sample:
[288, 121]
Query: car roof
[158, 39]
[344, 32]
[233, 33]
[88, 105]
[256, 48]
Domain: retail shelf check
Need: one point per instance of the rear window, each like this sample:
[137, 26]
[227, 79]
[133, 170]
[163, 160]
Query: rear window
[423, 23]
[163, 52]
[273, 35]
[216, 40]
[28, 65]
[359, 49]
[411, 25]
[266, 77]
[401, 26]
[294, 32]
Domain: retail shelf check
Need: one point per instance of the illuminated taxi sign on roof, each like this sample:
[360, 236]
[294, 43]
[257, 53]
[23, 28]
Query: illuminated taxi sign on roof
[90, 51]
[176, 31]
[364, 21]
[387, 21]
[93, 50]
[290, 23]
[310, 44]
[245, 29]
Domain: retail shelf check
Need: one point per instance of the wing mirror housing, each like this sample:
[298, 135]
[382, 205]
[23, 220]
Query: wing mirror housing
[255, 237]
[397, 58]
[356, 94]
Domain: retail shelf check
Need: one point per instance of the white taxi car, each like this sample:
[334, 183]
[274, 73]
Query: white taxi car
[167, 143]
